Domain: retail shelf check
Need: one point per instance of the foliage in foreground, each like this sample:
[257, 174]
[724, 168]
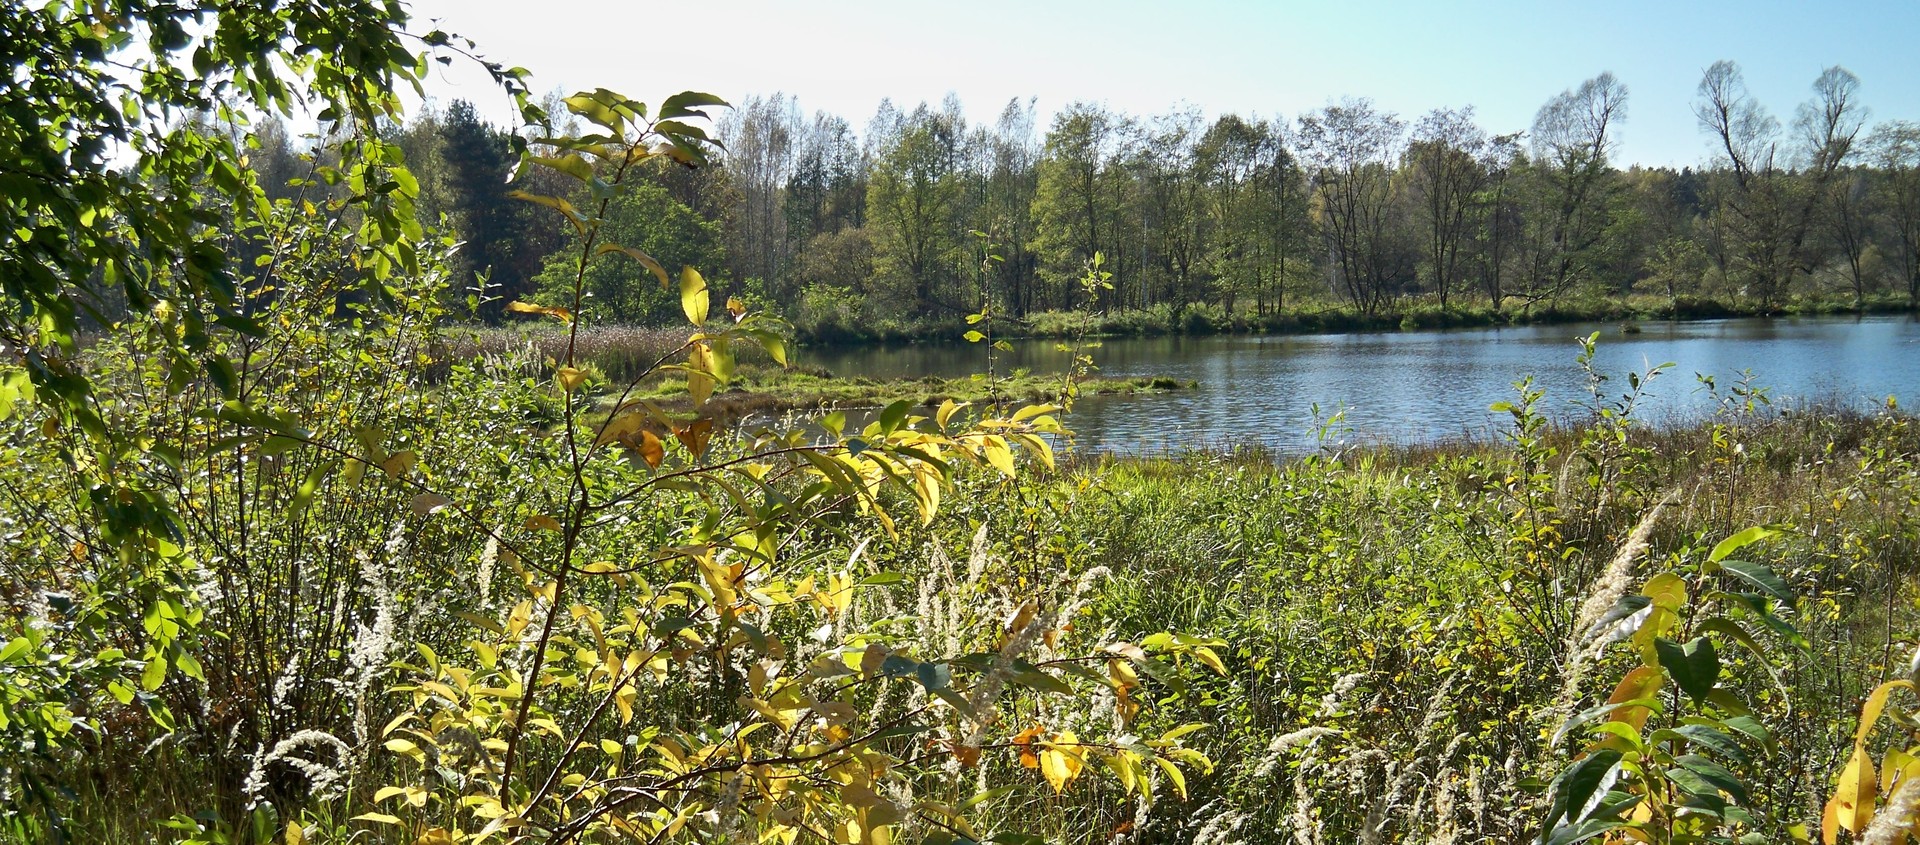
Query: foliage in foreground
[328, 587]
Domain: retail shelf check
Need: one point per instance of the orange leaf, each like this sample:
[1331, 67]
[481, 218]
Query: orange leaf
[1642, 682]
[650, 449]
[968, 755]
[1024, 742]
[695, 436]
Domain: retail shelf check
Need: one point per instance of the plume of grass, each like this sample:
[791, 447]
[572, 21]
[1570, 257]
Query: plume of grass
[1607, 590]
[1897, 819]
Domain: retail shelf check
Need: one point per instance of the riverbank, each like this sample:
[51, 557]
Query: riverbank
[1205, 320]
[624, 352]
[766, 390]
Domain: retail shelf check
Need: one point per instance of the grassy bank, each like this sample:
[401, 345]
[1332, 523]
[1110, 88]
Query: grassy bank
[1200, 320]
[762, 390]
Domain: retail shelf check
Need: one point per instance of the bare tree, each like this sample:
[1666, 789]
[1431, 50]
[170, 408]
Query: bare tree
[760, 136]
[1896, 151]
[1770, 208]
[1572, 138]
[1447, 173]
[1351, 150]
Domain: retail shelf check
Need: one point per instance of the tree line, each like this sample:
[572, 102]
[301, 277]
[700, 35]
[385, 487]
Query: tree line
[923, 214]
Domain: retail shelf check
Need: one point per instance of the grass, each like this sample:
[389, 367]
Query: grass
[1394, 622]
[759, 390]
[1331, 317]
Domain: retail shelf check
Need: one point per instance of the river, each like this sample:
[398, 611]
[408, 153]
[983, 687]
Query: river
[1424, 386]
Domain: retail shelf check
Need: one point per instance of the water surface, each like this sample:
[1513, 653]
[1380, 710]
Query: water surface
[1415, 387]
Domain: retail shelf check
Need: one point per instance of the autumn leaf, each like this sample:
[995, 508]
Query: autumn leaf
[1060, 766]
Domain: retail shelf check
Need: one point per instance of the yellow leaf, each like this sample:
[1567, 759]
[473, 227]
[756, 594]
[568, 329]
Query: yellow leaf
[1852, 804]
[693, 296]
[1896, 768]
[926, 488]
[700, 380]
[571, 379]
[871, 659]
[736, 308]
[1876, 702]
[695, 436]
[561, 314]
[382, 818]
[518, 620]
[1666, 590]
[620, 428]
[648, 446]
[399, 463]
[947, 408]
[434, 836]
[1173, 774]
[1061, 763]
[624, 698]
[645, 260]
[994, 448]
[295, 835]
[1024, 742]
[1207, 656]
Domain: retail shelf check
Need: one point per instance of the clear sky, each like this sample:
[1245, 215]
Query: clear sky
[1505, 58]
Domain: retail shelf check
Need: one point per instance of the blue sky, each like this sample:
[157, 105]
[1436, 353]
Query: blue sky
[1505, 58]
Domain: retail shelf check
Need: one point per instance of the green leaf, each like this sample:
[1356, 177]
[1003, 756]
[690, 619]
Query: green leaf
[1742, 540]
[1033, 677]
[303, 495]
[899, 666]
[688, 104]
[189, 666]
[1620, 621]
[894, 416]
[1577, 833]
[775, 345]
[1715, 774]
[14, 648]
[1579, 790]
[1704, 736]
[591, 107]
[1760, 576]
[933, 676]
[1693, 666]
[1751, 728]
[154, 674]
[571, 164]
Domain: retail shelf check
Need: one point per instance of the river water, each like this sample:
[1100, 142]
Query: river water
[1418, 387]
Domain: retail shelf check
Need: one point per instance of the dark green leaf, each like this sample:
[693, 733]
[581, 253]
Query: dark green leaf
[1760, 576]
[1694, 666]
[1579, 790]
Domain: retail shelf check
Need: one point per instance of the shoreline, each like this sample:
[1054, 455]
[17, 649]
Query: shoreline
[1205, 322]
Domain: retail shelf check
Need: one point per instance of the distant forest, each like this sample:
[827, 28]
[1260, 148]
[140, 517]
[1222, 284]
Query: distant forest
[924, 216]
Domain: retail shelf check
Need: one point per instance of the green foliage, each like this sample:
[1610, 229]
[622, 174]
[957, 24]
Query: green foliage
[647, 218]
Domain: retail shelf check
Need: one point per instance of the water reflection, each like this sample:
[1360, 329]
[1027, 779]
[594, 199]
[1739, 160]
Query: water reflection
[1411, 387]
